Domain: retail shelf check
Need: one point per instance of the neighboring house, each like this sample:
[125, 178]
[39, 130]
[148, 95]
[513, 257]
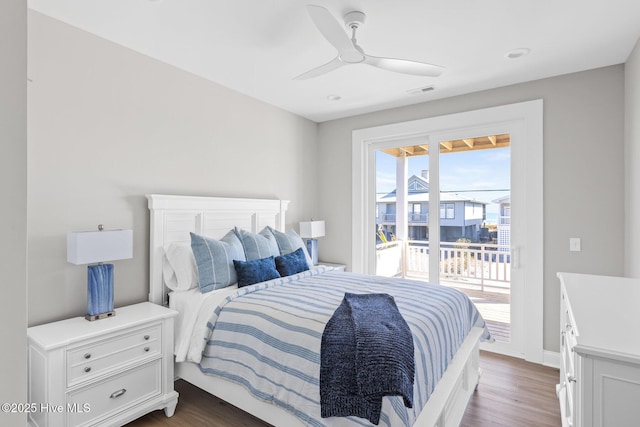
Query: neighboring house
[504, 221]
[459, 216]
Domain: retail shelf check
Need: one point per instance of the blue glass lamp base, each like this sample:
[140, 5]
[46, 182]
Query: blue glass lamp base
[312, 248]
[99, 292]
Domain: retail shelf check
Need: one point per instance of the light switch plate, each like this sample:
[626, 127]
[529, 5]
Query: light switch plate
[575, 244]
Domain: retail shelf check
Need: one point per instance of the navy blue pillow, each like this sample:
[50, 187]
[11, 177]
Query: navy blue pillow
[255, 271]
[293, 263]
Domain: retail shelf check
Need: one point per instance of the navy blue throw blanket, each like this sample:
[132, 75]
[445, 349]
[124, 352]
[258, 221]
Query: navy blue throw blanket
[366, 353]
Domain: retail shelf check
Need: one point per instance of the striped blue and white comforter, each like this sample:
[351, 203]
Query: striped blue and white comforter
[267, 338]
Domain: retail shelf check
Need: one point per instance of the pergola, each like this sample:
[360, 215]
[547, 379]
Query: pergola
[456, 146]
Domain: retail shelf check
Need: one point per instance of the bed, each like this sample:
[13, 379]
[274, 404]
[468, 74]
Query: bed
[173, 218]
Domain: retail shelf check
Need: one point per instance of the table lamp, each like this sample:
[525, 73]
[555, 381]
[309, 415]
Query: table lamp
[311, 230]
[89, 247]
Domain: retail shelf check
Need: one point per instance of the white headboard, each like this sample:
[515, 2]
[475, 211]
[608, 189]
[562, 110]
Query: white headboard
[173, 217]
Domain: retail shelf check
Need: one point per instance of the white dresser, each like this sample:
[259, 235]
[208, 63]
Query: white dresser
[600, 351]
[106, 372]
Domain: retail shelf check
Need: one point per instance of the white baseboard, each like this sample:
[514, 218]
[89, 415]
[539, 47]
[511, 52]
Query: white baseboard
[551, 359]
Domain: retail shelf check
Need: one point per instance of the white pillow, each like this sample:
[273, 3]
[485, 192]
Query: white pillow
[179, 267]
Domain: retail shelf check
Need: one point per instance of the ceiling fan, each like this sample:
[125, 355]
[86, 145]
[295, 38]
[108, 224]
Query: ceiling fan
[349, 52]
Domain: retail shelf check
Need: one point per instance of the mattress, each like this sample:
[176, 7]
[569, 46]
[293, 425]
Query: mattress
[194, 309]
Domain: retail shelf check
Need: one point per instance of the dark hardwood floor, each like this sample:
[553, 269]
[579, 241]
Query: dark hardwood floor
[511, 393]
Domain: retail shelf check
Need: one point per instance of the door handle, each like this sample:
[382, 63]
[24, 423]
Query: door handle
[515, 257]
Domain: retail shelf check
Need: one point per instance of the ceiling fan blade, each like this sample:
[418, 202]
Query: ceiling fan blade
[323, 69]
[405, 66]
[330, 28]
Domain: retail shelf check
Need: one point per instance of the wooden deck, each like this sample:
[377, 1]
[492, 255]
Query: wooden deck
[494, 304]
[495, 307]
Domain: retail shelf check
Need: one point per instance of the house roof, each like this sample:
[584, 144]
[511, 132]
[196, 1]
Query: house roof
[415, 196]
[503, 199]
[424, 197]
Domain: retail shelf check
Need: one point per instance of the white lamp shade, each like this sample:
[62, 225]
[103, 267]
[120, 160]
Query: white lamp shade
[86, 247]
[311, 229]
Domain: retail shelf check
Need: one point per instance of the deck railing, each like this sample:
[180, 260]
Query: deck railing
[389, 259]
[482, 264]
[412, 217]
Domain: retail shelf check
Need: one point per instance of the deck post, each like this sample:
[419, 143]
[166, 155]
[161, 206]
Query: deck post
[402, 227]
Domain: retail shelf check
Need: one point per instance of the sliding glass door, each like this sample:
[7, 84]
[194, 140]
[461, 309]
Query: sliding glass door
[522, 212]
[475, 245]
[446, 218]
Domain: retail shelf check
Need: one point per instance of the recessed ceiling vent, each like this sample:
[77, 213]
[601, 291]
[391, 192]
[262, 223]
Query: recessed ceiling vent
[420, 90]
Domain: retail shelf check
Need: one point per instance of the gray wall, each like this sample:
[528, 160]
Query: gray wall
[13, 190]
[632, 162]
[108, 125]
[583, 172]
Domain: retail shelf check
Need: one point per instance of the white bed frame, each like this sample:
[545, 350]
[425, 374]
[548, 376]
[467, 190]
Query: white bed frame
[171, 220]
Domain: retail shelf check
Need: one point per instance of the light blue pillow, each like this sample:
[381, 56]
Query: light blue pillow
[214, 259]
[289, 242]
[257, 246]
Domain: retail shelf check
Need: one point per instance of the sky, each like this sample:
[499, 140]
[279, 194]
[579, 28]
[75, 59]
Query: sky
[483, 175]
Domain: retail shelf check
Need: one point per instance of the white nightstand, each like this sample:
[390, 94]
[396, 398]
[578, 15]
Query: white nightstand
[339, 267]
[106, 372]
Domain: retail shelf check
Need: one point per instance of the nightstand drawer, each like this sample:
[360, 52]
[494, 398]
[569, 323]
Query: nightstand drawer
[92, 360]
[106, 398]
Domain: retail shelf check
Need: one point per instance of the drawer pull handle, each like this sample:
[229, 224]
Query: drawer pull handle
[571, 378]
[87, 355]
[146, 337]
[118, 393]
[87, 369]
[147, 349]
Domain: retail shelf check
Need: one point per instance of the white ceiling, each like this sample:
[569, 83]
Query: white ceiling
[257, 47]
